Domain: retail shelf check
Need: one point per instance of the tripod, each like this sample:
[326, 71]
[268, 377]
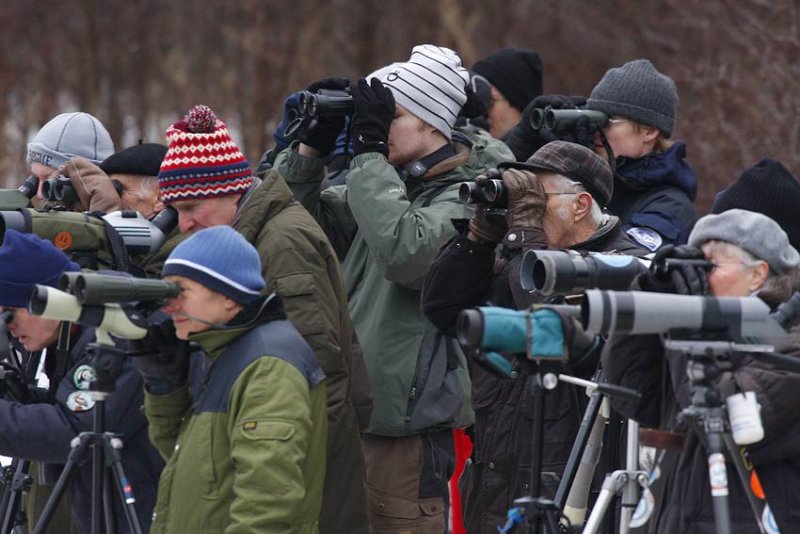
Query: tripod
[15, 477]
[539, 512]
[628, 482]
[705, 362]
[105, 448]
[576, 480]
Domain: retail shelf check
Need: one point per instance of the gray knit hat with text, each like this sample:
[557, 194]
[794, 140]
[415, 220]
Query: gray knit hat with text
[432, 85]
[68, 135]
[637, 91]
[753, 232]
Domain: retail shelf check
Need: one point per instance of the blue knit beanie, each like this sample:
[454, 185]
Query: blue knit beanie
[220, 259]
[26, 260]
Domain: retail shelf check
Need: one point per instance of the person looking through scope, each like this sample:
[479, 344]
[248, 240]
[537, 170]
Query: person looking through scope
[751, 255]
[42, 429]
[554, 200]
[247, 451]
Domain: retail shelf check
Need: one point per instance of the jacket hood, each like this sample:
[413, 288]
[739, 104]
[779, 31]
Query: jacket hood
[657, 168]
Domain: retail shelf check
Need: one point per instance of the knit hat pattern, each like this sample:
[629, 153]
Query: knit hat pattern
[753, 232]
[769, 188]
[515, 72]
[431, 85]
[68, 135]
[27, 260]
[202, 161]
[221, 259]
[637, 91]
[577, 163]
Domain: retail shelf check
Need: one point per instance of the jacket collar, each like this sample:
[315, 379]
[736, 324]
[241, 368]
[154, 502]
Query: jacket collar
[657, 168]
[216, 339]
[263, 201]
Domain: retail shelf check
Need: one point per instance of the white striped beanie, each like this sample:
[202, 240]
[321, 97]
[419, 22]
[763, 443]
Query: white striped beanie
[221, 259]
[431, 85]
[202, 161]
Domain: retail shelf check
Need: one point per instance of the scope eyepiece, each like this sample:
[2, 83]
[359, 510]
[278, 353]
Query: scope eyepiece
[29, 187]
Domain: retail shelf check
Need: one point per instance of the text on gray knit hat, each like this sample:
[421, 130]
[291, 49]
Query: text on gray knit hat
[637, 91]
[753, 232]
[68, 135]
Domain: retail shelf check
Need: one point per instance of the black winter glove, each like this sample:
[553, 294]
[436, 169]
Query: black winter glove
[374, 110]
[523, 139]
[486, 225]
[323, 132]
[684, 278]
[166, 368]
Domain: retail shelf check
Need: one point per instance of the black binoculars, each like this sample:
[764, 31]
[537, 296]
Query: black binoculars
[59, 189]
[325, 102]
[492, 192]
[550, 118]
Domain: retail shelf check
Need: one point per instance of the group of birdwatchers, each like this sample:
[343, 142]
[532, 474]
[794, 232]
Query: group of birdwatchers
[307, 376]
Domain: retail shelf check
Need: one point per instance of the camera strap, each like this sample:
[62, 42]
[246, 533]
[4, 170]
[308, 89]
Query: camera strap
[420, 167]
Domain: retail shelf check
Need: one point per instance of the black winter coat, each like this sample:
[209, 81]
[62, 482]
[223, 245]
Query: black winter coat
[463, 276]
[653, 197]
[682, 493]
[42, 432]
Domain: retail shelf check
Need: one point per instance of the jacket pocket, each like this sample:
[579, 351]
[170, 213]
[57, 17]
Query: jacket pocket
[438, 393]
[299, 294]
[392, 514]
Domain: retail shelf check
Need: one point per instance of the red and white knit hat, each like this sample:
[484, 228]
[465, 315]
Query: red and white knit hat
[202, 160]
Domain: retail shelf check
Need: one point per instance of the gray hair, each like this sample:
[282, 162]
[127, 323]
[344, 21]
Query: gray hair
[596, 212]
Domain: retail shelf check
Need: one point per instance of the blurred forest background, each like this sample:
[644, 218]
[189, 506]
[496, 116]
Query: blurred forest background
[139, 65]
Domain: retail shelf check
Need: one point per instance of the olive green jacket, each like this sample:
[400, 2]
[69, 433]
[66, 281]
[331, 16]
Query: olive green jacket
[247, 455]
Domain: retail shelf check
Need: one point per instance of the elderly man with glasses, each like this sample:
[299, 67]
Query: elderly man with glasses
[555, 200]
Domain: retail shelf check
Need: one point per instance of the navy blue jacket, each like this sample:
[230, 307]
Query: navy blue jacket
[42, 432]
[654, 195]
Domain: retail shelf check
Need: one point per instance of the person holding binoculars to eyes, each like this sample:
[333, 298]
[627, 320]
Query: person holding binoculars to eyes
[554, 201]
[628, 118]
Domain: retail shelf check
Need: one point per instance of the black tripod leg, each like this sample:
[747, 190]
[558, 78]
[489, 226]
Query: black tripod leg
[108, 505]
[114, 460]
[12, 499]
[718, 474]
[534, 513]
[73, 460]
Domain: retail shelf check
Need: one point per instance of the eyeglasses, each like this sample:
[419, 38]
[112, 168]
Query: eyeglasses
[612, 122]
[560, 193]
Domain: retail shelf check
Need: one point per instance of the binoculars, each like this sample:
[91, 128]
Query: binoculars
[325, 102]
[550, 118]
[492, 192]
[59, 189]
